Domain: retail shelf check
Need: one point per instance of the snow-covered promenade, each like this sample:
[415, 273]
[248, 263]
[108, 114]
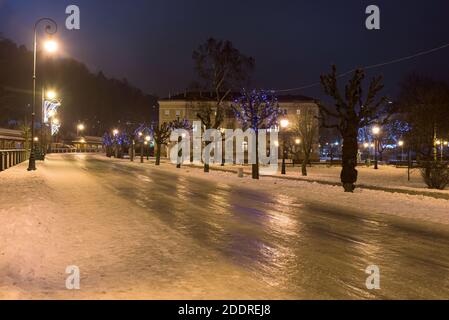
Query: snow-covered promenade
[140, 231]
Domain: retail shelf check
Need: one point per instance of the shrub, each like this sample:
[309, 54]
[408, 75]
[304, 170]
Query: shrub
[436, 174]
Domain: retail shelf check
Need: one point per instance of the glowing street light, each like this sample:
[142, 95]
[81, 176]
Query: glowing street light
[401, 144]
[147, 142]
[115, 132]
[376, 132]
[51, 95]
[79, 128]
[298, 141]
[51, 46]
[55, 121]
[284, 123]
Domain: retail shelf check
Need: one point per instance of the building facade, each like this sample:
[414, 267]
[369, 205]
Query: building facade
[11, 139]
[187, 105]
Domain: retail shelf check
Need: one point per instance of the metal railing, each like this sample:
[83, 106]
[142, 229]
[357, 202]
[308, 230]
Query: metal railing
[75, 150]
[10, 158]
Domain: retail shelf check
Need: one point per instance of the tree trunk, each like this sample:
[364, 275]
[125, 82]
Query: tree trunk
[255, 167]
[350, 148]
[180, 157]
[158, 154]
[304, 165]
[207, 159]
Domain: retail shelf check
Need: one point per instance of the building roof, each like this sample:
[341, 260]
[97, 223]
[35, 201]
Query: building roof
[8, 134]
[89, 139]
[210, 96]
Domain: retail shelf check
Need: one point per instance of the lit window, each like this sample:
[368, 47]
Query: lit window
[298, 112]
[167, 112]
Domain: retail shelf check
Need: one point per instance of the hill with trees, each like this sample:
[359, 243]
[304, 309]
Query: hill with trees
[99, 102]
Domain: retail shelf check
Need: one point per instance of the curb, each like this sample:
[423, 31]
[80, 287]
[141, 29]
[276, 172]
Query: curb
[336, 184]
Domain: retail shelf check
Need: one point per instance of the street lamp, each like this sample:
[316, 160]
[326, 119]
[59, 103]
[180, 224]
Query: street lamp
[376, 132]
[441, 143]
[223, 146]
[401, 144]
[284, 125]
[147, 142]
[445, 143]
[79, 128]
[115, 132]
[51, 95]
[50, 46]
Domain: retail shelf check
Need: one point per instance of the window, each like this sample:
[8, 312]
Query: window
[298, 112]
[167, 112]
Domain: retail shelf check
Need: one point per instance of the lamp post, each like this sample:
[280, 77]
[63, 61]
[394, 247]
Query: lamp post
[441, 143]
[147, 143]
[376, 132]
[79, 128]
[284, 125]
[50, 46]
[401, 144]
[223, 146]
[140, 134]
[115, 132]
[445, 143]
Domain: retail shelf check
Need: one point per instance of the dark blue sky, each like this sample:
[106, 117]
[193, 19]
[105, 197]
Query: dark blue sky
[150, 42]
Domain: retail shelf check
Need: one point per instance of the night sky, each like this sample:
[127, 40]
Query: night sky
[150, 42]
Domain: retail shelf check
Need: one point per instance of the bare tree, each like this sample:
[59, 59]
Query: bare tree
[222, 68]
[257, 110]
[161, 136]
[424, 104]
[350, 113]
[307, 129]
[180, 124]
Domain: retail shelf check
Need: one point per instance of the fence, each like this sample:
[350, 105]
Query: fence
[75, 150]
[10, 158]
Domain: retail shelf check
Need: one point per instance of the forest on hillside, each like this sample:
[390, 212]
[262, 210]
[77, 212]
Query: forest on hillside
[97, 101]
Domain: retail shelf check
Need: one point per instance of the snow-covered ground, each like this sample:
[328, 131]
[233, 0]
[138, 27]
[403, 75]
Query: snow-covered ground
[139, 232]
[385, 176]
[403, 205]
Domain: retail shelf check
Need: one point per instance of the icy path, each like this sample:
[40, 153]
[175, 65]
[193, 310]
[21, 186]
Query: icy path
[137, 231]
